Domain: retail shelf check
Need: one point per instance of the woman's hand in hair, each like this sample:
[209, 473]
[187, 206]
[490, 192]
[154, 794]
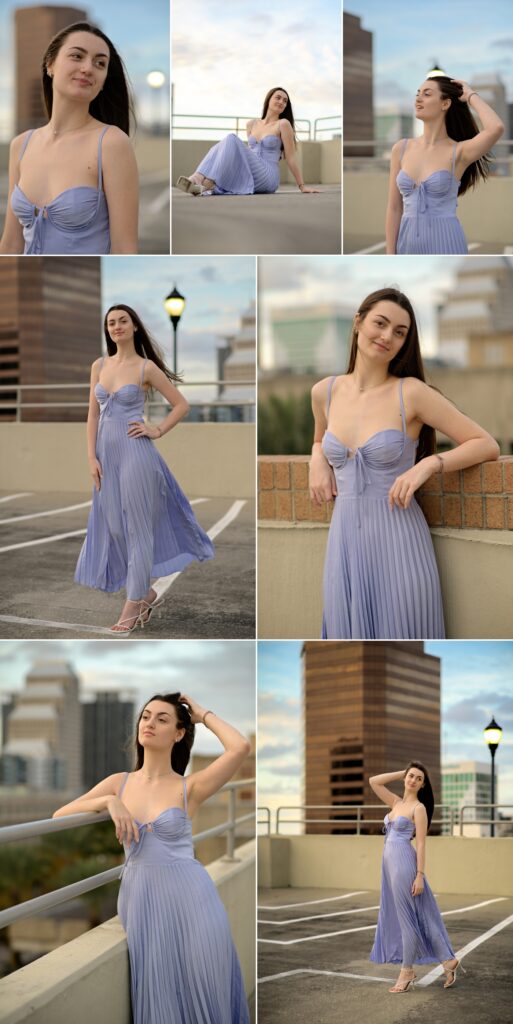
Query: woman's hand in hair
[126, 826]
[467, 89]
[405, 485]
[196, 710]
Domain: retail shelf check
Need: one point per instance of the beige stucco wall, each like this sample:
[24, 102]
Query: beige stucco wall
[320, 162]
[476, 574]
[486, 213]
[453, 865]
[87, 979]
[208, 459]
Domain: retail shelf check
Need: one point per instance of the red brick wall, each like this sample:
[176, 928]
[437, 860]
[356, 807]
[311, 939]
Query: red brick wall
[477, 498]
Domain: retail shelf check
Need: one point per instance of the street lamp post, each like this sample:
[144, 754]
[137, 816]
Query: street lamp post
[174, 305]
[492, 735]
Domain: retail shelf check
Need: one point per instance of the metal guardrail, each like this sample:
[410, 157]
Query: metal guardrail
[17, 404]
[334, 128]
[490, 820]
[381, 149]
[450, 816]
[236, 122]
[32, 829]
[267, 819]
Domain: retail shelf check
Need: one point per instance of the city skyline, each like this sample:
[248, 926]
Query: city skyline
[475, 685]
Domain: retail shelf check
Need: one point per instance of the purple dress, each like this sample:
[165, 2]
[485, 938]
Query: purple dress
[410, 929]
[380, 575]
[242, 170]
[75, 223]
[429, 224]
[141, 524]
[183, 965]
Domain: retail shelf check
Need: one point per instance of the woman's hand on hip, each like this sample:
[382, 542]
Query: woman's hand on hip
[405, 485]
[138, 429]
[96, 472]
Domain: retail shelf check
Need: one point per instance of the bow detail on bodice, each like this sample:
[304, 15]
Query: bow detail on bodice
[436, 195]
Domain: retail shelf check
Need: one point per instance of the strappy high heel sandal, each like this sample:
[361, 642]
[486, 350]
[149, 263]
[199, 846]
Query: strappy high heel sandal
[448, 971]
[406, 984]
[128, 629]
[147, 610]
[186, 185]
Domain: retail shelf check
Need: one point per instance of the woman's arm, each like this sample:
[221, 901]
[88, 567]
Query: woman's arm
[421, 823]
[121, 187]
[289, 152]
[249, 126]
[180, 406]
[104, 797]
[322, 483]
[474, 444]
[93, 417]
[491, 131]
[204, 783]
[11, 243]
[378, 785]
[395, 201]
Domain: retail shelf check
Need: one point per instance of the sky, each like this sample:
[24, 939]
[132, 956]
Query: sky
[217, 291]
[227, 56]
[300, 280]
[477, 684]
[466, 37]
[219, 674]
[140, 33]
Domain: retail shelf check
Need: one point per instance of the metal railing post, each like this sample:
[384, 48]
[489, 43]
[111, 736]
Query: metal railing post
[230, 834]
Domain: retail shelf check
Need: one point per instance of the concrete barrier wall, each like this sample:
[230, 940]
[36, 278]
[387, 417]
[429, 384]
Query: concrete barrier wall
[88, 979]
[320, 162]
[486, 213]
[453, 865]
[208, 459]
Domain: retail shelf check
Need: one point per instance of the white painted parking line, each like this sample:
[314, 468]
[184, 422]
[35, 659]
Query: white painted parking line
[313, 938]
[162, 585]
[313, 970]
[49, 512]
[12, 497]
[73, 627]
[428, 979]
[309, 903]
[317, 917]
[474, 906]
[42, 540]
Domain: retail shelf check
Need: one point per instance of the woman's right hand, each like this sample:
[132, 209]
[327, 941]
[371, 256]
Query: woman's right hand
[323, 486]
[126, 826]
[96, 472]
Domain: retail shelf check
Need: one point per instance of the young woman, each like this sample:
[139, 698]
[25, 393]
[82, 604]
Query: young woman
[73, 187]
[141, 524]
[183, 963]
[374, 446]
[231, 168]
[429, 173]
[410, 929]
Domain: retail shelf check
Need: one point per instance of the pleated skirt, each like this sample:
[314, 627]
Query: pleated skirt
[380, 575]
[183, 965]
[410, 929]
[236, 170]
[431, 236]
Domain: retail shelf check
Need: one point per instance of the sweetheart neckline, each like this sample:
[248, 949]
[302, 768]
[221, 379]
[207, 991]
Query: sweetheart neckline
[46, 206]
[166, 809]
[386, 430]
[400, 816]
[417, 184]
[138, 386]
[270, 135]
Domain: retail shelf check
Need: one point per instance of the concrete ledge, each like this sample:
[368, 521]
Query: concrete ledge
[208, 459]
[88, 978]
[454, 865]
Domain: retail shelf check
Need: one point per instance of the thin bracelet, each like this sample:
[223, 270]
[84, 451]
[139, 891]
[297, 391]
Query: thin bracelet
[205, 715]
[421, 873]
[441, 461]
[158, 428]
[471, 94]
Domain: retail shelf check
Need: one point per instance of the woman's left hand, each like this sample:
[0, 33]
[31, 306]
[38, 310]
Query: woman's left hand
[418, 885]
[196, 710]
[305, 189]
[405, 485]
[138, 429]
[467, 89]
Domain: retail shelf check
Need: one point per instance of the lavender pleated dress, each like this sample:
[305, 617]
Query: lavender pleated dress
[140, 525]
[380, 575]
[183, 965]
[410, 929]
[238, 169]
[74, 223]
[429, 224]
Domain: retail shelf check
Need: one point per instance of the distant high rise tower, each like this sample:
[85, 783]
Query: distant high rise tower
[368, 708]
[107, 726]
[34, 28]
[358, 95]
[44, 730]
[475, 320]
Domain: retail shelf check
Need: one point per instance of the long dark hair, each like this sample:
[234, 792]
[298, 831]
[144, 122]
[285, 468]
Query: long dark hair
[425, 793]
[460, 125]
[144, 344]
[114, 104]
[180, 751]
[286, 113]
[407, 362]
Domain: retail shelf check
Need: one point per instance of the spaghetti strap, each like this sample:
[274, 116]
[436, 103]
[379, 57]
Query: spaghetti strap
[405, 143]
[330, 389]
[401, 403]
[141, 382]
[100, 176]
[184, 795]
[25, 143]
[123, 784]
[453, 157]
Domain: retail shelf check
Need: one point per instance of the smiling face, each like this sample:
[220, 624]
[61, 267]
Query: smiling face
[278, 102]
[429, 102]
[414, 780]
[383, 331]
[80, 67]
[158, 728]
[120, 326]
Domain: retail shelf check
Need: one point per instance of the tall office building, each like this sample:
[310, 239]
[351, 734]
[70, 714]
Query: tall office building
[311, 339]
[475, 321]
[467, 783]
[54, 337]
[108, 726]
[235, 362]
[43, 748]
[368, 708]
[358, 88]
[34, 27]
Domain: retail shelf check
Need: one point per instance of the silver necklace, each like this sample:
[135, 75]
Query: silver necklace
[64, 131]
[369, 386]
[159, 776]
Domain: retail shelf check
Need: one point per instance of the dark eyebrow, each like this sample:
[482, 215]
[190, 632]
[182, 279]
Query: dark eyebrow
[383, 317]
[81, 48]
